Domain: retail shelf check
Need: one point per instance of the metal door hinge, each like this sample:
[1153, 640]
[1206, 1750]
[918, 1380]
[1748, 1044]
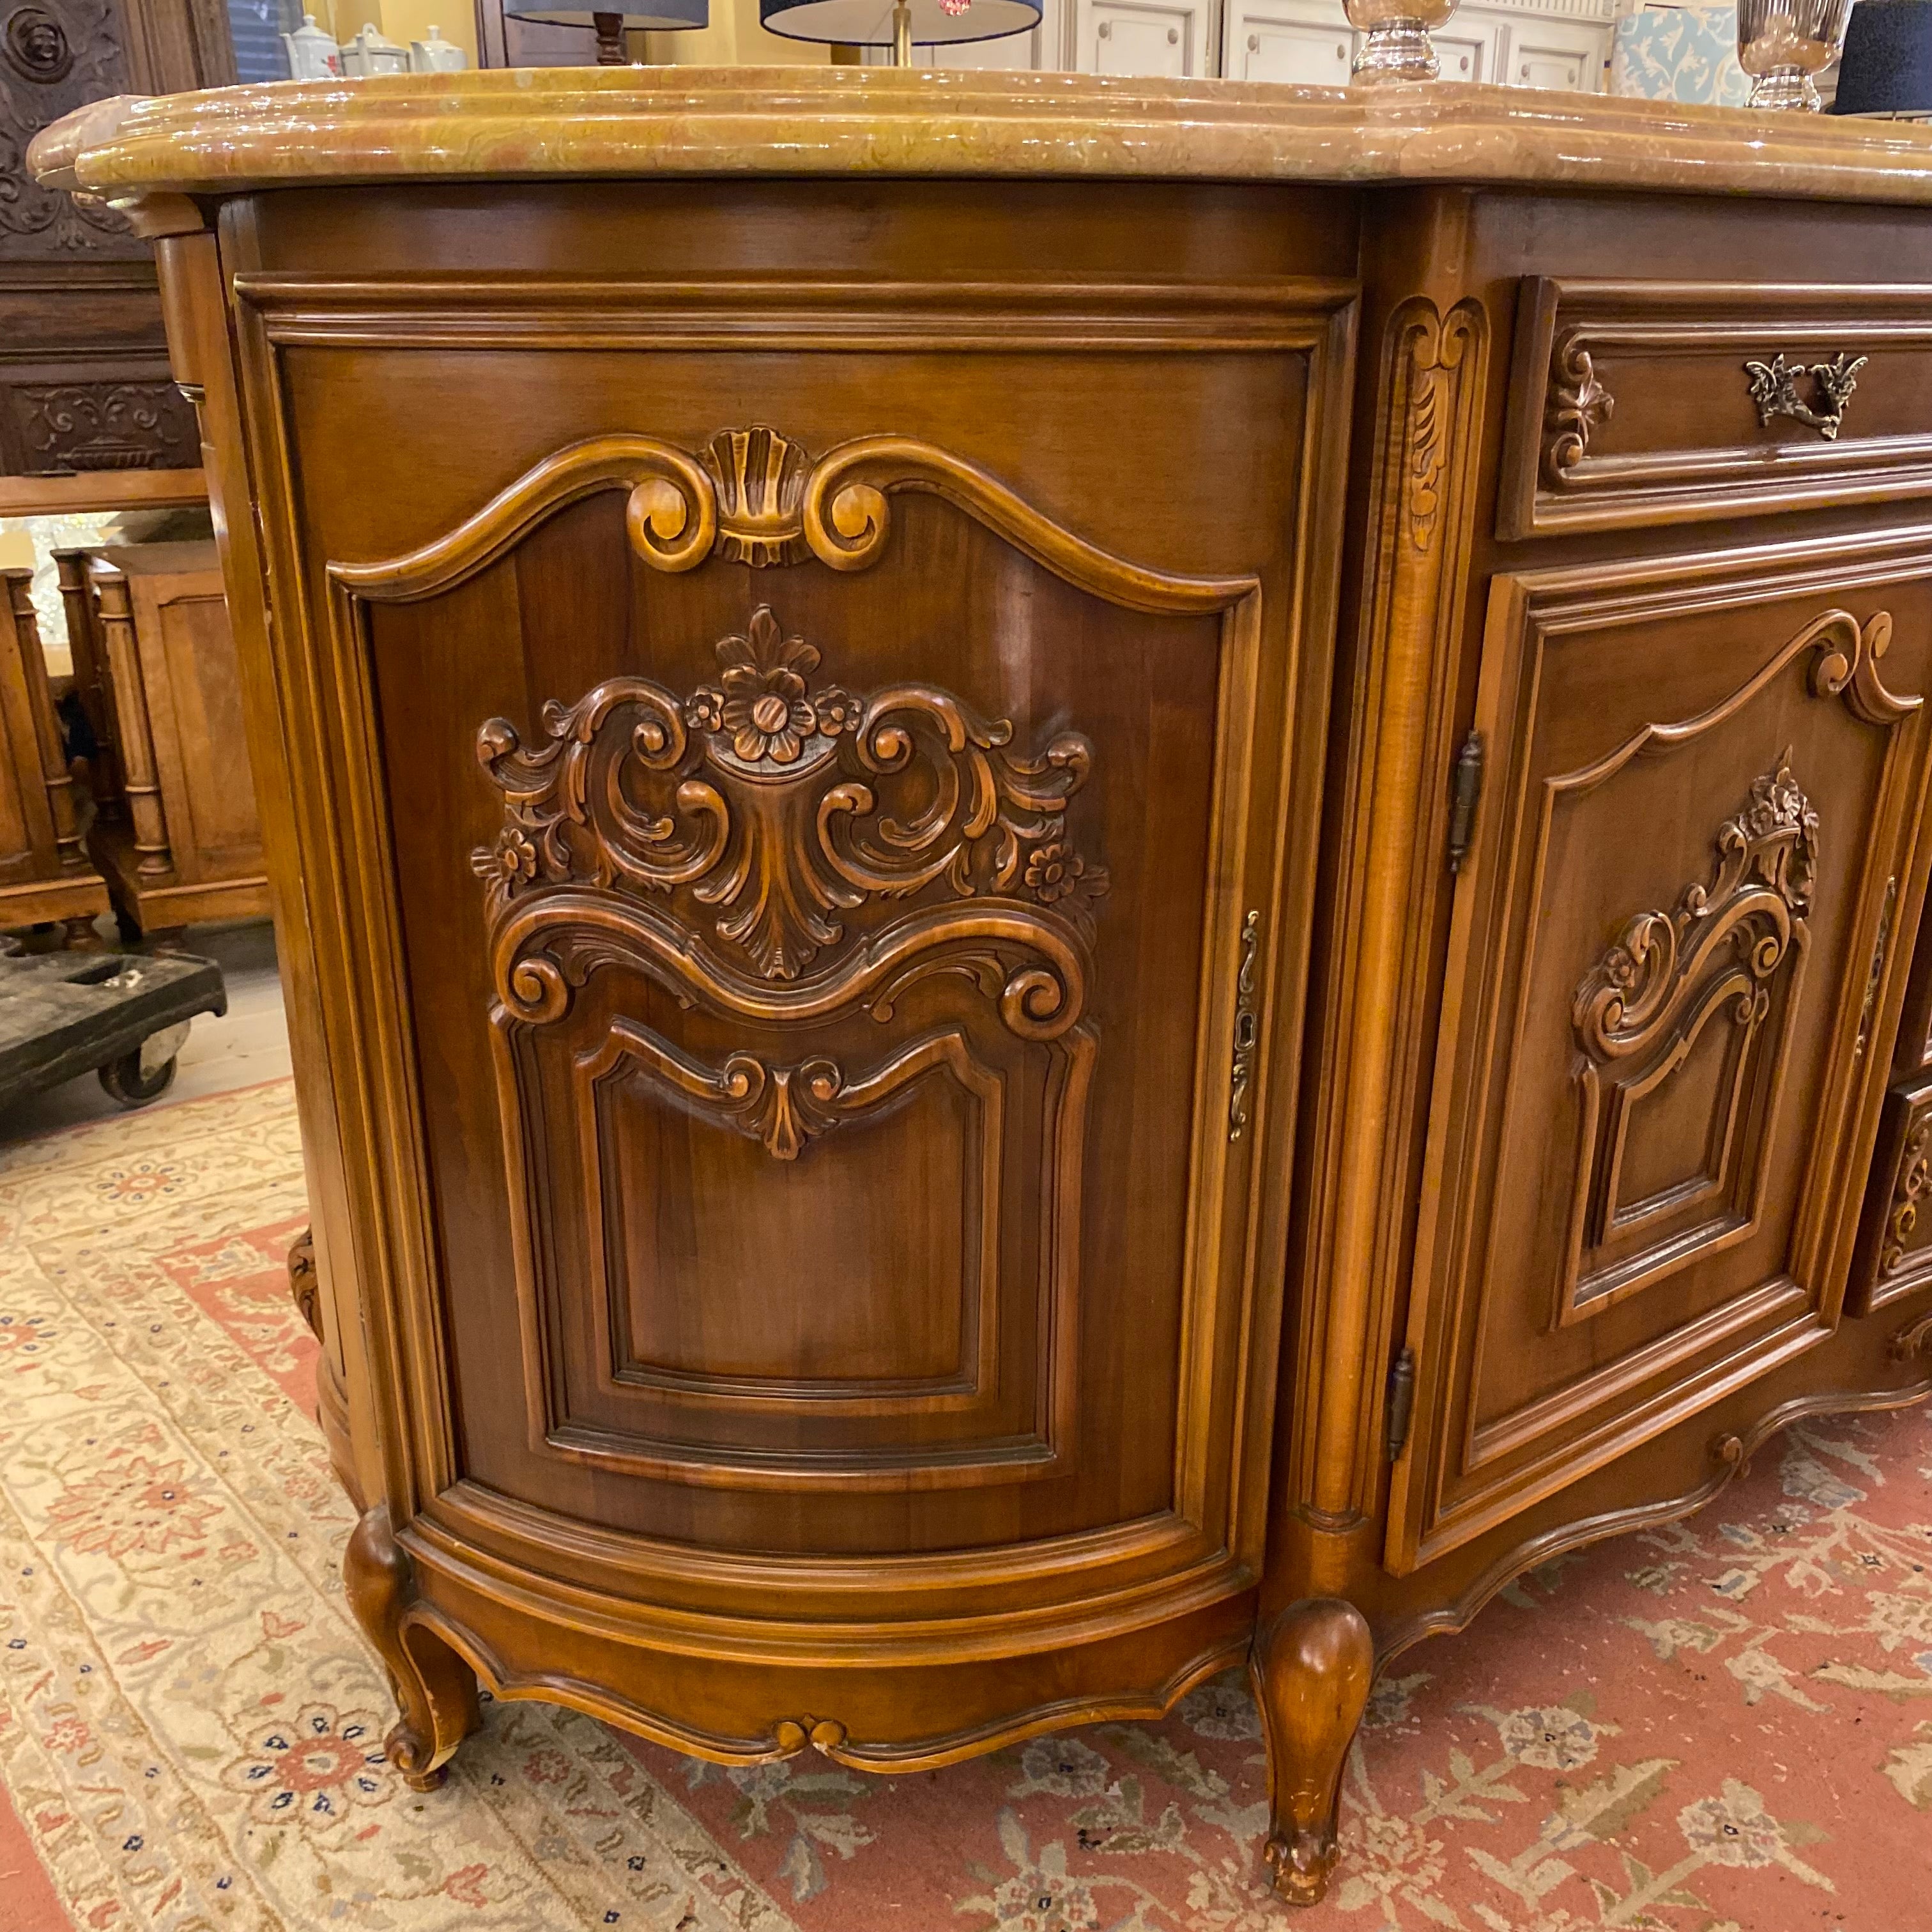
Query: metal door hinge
[1399, 1407]
[1466, 787]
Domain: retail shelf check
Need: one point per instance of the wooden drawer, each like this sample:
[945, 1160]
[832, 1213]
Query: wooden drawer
[1639, 403]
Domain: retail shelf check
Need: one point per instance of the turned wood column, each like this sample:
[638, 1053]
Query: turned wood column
[90, 679]
[130, 710]
[61, 802]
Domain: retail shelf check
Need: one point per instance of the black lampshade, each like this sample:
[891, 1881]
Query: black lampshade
[1886, 68]
[662, 16]
[869, 23]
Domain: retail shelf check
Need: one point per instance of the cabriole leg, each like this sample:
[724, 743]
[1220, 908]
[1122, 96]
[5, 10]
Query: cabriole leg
[436, 1689]
[1312, 1666]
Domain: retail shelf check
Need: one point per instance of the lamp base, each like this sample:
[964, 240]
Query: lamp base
[610, 39]
[1398, 50]
[1787, 88]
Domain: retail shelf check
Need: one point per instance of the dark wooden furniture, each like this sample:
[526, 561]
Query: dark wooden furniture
[45, 872]
[1046, 931]
[123, 1017]
[177, 835]
[89, 418]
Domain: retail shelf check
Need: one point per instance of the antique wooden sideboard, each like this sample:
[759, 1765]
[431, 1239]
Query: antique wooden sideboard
[1079, 879]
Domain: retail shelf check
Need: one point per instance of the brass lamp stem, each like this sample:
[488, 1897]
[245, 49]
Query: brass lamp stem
[901, 34]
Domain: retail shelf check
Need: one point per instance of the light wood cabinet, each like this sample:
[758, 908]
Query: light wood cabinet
[45, 873]
[1659, 1044]
[186, 848]
[1050, 929]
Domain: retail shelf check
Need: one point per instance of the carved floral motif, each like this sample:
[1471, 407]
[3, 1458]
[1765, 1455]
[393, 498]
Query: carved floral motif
[1745, 917]
[1580, 404]
[782, 808]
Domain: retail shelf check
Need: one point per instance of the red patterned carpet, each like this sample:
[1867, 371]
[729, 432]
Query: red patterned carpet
[1722, 1726]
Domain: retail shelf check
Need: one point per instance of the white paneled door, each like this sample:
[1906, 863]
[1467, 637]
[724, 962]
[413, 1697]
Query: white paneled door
[1305, 46]
[1173, 37]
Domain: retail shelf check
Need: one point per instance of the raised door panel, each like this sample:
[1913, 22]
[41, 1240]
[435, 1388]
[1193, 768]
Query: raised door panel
[1669, 1005]
[1304, 47]
[1165, 38]
[189, 658]
[26, 826]
[829, 859]
[1470, 47]
[1563, 54]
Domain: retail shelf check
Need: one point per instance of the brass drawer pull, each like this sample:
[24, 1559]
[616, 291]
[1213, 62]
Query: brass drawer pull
[1774, 387]
[1247, 1026]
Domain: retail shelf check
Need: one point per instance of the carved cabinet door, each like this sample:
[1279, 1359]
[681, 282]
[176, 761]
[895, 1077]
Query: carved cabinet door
[818, 915]
[1672, 992]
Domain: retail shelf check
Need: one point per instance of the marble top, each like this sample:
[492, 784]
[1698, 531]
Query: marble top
[517, 123]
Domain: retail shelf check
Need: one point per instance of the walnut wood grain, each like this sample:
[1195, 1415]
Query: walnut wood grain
[787, 1280]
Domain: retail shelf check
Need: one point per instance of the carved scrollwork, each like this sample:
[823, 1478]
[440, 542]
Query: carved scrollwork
[1846, 666]
[793, 1735]
[1915, 1177]
[1914, 1339]
[1767, 856]
[1438, 353]
[304, 1284]
[1579, 405]
[783, 808]
[1731, 949]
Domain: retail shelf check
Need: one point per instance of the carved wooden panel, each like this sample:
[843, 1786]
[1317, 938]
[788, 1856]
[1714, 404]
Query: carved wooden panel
[56, 55]
[818, 854]
[1893, 1260]
[795, 941]
[1636, 403]
[866, 1201]
[58, 428]
[1727, 961]
[1669, 984]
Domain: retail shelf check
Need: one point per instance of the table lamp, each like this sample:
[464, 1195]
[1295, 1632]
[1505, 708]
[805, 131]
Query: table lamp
[660, 15]
[1886, 68]
[880, 23]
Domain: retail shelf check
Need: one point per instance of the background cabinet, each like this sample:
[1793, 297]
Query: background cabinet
[152, 623]
[44, 873]
[1294, 43]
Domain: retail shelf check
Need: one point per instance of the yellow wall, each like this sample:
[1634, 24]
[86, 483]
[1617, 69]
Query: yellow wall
[734, 38]
[407, 20]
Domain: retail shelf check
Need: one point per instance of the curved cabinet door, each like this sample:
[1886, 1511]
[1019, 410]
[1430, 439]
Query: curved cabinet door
[1670, 998]
[821, 808]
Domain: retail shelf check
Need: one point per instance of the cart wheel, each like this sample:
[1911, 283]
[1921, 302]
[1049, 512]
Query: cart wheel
[132, 1088]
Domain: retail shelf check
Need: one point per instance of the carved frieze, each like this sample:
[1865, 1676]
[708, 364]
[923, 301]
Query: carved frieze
[782, 808]
[63, 427]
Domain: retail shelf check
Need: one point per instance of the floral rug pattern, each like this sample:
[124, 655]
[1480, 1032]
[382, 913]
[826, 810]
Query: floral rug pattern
[1722, 1726]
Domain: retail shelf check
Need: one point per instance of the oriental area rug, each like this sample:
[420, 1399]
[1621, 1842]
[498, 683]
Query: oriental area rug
[1724, 1726]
